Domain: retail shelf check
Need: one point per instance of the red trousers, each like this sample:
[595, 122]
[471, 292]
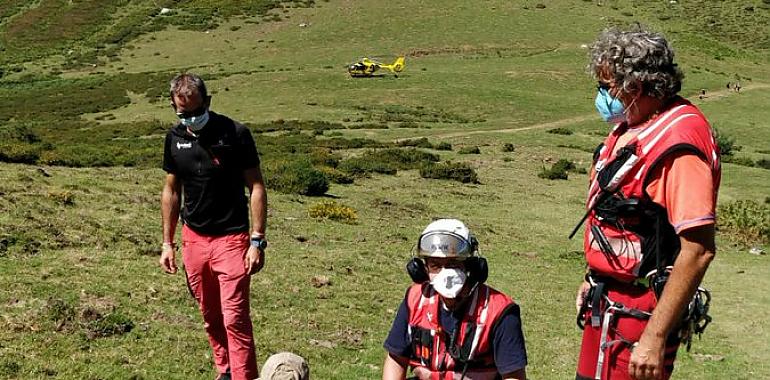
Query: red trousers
[218, 281]
[623, 331]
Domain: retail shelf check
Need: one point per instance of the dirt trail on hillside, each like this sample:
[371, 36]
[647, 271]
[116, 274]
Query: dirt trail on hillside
[710, 96]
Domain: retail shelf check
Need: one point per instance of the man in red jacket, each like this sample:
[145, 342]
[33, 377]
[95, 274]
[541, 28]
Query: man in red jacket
[649, 236]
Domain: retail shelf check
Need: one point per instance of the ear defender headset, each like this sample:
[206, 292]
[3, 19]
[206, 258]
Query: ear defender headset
[475, 266]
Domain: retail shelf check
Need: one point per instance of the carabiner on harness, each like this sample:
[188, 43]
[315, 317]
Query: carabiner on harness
[697, 316]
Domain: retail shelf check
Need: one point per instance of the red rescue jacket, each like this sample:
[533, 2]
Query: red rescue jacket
[632, 238]
[430, 348]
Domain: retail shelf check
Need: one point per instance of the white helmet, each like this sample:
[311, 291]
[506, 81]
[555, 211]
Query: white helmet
[447, 238]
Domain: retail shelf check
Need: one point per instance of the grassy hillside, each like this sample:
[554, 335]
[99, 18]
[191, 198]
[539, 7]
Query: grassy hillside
[84, 112]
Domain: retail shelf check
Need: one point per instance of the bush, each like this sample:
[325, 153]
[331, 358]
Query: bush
[19, 144]
[19, 152]
[404, 159]
[417, 143]
[726, 145]
[559, 170]
[289, 125]
[336, 176]
[564, 165]
[745, 221]
[323, 157]
[763, 163]
[368, 126]
[443, 146]
[332, 210]
[469, 150]
[456, 171]
[355, 143]
[387, 161]
[743, 161]
[508, 147]
[296, 177]
[560, 131]
[552, 174]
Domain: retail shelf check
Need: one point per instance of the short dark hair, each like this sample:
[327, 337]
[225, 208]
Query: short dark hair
[187, 84]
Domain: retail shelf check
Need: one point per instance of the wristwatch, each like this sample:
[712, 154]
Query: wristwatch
[259, 242]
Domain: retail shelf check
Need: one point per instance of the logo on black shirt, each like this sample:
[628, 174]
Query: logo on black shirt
[185, 145]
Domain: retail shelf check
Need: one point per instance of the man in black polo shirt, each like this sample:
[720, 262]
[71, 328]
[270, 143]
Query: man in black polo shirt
[209, 160]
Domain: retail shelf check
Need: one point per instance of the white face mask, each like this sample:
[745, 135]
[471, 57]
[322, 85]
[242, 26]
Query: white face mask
[195, 123]
[449, 282]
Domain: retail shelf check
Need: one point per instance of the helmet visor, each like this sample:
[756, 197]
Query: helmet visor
[443, 244]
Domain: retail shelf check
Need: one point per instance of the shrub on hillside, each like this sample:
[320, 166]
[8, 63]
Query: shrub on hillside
[743, 161]
[745, 221]
[324, 157]
[553, 174]
[508, 147]
[404, 159]
[334, 175]
[763, 163]
[354, 143]
[19, 144]
[19, 152]
[560, 131]
[387, 161]
[455, 171]
[332, 210]
[560, 169]
[443, 146]
[422, 142]
[726, 145]
[296, 177]
[289, 125]
[368, 126]
[469, 150]
[18, 133]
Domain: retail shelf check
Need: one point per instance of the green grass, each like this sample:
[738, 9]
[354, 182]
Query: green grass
[79, 241]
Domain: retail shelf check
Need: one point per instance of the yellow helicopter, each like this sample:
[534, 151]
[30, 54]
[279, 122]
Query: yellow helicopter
[368, 68]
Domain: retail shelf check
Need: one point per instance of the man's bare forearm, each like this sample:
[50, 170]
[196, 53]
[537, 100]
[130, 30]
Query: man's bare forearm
[258, 209]
[169, 208]
[257, 200]
[697, 251]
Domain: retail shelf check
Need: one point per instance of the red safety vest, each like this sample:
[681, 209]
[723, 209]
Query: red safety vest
[474, 335]
[681, 127]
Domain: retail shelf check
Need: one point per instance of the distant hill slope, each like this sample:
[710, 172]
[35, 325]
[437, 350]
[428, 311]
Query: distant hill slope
[32, 30]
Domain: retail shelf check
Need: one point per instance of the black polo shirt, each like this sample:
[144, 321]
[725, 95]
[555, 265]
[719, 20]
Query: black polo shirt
[211, 168]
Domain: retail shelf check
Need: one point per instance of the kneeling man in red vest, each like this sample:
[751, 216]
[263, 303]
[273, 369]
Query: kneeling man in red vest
[450, 324]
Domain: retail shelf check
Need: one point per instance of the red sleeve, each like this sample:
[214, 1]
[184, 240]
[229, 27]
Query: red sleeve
[683, 184]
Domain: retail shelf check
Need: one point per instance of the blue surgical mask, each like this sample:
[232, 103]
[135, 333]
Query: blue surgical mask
[610, 108]
[195, 123]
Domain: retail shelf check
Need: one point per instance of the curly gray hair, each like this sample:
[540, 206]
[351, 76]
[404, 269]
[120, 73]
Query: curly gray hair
[187, 84]
[636, 57]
